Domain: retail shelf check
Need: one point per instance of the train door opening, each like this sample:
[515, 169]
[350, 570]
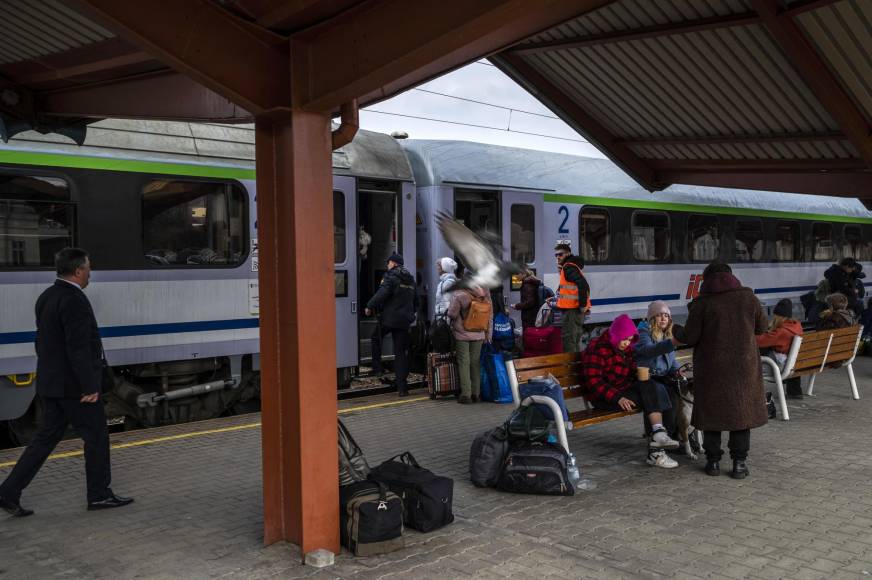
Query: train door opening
[378, 213]
[480, 211]
[523, 210]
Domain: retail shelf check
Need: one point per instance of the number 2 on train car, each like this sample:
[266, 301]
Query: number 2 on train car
[564, 211]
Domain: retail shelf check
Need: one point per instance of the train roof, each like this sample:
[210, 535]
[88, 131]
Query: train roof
[561, 177]
[370, 154]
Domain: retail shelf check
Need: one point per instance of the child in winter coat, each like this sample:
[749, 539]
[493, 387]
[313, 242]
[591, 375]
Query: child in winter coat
[775, 343]
[838, 315]
[610, 382]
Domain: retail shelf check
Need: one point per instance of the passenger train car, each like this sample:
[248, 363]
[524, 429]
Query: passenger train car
[167, 211]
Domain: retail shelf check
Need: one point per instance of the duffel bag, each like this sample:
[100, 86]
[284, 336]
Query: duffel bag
[536, 467]
[370, 518]
[528, 423]
[427, 497]
[486, 456]
[546, 387]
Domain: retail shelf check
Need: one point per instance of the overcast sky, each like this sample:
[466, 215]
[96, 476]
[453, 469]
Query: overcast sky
[504, 114]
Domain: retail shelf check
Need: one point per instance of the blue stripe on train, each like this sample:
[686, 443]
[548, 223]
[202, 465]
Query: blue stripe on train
[147, 329]
[633, 299]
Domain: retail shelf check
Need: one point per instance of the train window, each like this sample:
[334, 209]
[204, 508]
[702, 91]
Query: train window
[853, 245]
[749, 240]
[594, 229]
[37, 220]
[822, 234]
[190, 223]
[651, 237]
[787, 241]
[523, 234]
[703, 238]
[339, 227]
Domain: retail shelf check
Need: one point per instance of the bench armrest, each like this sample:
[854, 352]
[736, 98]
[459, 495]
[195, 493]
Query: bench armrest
[556, 411]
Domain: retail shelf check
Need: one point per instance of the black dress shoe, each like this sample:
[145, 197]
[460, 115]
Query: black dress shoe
[113, 501]
[740, 470]
[713, 468]
[14, 509]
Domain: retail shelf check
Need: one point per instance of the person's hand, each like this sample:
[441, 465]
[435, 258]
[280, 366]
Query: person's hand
[676, 342]
[515, 306]
[92, 398]
[367, 311]
[626, 404]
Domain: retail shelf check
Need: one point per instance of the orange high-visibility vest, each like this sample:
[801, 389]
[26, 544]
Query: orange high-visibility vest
[567, 292]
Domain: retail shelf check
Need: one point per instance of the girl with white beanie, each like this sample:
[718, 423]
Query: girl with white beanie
[445, 267]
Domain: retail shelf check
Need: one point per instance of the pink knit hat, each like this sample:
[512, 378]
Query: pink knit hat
[621, 329]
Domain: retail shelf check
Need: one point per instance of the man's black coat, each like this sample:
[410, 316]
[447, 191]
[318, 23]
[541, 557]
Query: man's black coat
[68, 348]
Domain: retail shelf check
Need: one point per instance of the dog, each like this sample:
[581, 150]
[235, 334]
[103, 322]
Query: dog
[688, 435]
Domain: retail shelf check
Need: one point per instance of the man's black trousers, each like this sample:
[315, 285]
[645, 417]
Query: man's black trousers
[401, 353]
[739, 444]
[89, 421]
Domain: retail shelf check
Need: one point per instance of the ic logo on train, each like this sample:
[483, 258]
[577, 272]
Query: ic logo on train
[693, 286]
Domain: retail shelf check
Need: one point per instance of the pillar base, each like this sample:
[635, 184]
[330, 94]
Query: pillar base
[320, 558]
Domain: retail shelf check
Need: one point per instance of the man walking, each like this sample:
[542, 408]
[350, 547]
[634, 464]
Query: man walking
[573, 296]
[395, 302]
[69, 372]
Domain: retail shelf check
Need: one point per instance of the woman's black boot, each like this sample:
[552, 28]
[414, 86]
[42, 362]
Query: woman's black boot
[713, 468]
[740, 469]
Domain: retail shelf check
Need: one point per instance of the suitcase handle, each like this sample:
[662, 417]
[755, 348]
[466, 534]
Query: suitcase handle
[407, 458]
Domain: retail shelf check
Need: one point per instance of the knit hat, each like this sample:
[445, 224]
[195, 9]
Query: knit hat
[395, 257]
[448, 265]
[621, 329]
[784, 308]
[657, 307]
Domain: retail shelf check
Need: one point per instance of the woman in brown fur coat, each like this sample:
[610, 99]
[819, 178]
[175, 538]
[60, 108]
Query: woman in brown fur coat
[728, 381]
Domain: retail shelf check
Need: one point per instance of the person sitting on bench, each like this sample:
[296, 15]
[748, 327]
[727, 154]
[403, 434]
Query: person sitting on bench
[610, 382]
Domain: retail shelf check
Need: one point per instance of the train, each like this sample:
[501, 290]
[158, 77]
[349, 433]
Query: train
[167, 211]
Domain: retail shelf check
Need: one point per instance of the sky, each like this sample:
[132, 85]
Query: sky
[476, 103]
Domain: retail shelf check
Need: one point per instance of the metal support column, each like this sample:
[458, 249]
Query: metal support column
[297, 336]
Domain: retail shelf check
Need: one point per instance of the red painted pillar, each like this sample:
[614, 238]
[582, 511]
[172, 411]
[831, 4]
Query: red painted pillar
[297, 330]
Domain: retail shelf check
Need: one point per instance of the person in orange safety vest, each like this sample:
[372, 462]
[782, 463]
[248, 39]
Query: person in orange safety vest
[573, 296]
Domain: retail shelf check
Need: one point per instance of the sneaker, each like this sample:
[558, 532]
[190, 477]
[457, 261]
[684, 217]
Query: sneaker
[661, 440]
[660, 459]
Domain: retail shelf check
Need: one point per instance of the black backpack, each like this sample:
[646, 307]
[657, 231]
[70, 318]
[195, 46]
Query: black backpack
[427, 497]
[441, 338]
[352, 463]
[533, 467]
[528, 423]
[486, 456]
[370, 518]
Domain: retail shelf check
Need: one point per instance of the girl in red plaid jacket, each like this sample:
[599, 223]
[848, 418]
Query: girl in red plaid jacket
[610, 382]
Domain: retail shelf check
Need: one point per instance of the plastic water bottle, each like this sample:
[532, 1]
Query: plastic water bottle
[553, 439]
[572, 471]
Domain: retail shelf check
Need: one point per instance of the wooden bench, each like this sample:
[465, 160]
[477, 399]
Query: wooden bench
[812, 354]
[566, 368]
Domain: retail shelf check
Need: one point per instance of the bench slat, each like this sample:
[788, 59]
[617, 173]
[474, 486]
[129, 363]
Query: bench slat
[558, 372]
[593, 416]
[523, 364]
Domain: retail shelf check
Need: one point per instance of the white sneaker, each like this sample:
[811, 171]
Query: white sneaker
[660, 459]
[662, 440]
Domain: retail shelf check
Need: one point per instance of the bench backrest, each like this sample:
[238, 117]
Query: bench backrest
[565, 367]
[817, 349]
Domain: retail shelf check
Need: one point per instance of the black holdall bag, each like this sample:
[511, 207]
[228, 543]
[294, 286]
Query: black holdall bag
[441, 337]
[528, 423]
[352, 462]
[534, 467]
[486, 456]
[370, 518]
[427, 497]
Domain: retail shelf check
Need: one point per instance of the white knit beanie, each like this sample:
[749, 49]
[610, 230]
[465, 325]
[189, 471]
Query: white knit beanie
[448, 265]
[657, 307]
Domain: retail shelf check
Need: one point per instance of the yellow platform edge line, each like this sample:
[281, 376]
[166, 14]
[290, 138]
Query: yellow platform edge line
[154, 440]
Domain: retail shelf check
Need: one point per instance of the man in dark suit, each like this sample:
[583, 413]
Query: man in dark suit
[69, 373]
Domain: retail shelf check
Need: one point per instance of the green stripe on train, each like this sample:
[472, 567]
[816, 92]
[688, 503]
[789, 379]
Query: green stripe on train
[129, 165]
[693, 208]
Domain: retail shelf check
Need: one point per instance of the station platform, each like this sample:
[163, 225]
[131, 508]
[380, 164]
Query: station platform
[805, 511]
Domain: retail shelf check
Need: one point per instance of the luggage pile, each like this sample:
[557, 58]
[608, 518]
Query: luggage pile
[376, 504]
[519, 456]
[544, 338]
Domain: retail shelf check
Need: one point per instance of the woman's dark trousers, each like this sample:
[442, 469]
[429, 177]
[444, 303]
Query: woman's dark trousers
[739, 444]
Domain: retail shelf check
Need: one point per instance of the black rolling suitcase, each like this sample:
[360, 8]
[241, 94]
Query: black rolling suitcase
[370, 518]
[427, 497]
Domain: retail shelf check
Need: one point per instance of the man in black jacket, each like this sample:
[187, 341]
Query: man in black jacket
[573, 296]
[69, 373]
[841, 279]
[395, 302]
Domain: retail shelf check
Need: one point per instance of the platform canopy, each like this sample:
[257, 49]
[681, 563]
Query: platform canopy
[760, 94]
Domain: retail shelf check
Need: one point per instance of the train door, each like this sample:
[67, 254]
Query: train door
[479, 211]
[523, 213]
[378, 210]
[345, 249]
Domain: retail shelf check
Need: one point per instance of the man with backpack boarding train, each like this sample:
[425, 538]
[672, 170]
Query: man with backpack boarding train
[573, 296]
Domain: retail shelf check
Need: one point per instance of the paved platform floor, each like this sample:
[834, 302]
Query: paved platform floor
[805, 512]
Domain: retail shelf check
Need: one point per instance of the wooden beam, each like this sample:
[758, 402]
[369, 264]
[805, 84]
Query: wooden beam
[837, 184]
[85, 69]
[817, 76]
[683, 27]
[201, 40]
[165, 95]
[731, 139]
[384, 46]
[574, 115]
[760, 165]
